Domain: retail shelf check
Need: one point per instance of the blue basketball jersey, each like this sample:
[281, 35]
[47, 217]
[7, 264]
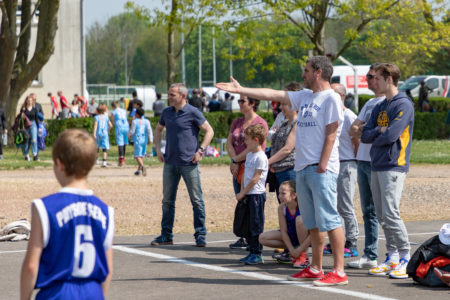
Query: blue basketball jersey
[291, 228]
[102, 131]
[121, 126]
[77, 231]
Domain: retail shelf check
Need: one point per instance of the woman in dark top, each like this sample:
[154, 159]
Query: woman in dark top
[31, 113]
[282, 153]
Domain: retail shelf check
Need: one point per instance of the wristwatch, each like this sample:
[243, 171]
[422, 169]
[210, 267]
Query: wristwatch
[202, 149]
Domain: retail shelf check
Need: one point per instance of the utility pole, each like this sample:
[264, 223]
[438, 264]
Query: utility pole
[200, 56]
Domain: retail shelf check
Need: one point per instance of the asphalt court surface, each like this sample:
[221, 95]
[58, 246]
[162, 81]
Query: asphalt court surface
[182, 271]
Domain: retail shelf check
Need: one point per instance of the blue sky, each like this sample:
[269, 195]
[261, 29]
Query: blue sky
[101, 10]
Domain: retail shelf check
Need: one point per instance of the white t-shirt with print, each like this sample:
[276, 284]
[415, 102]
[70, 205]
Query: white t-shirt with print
[256, 161]
[315, 112]
[364, 116]
[346, 147]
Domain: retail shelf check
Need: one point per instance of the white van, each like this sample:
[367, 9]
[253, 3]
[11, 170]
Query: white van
[439, 85]
[345, 76]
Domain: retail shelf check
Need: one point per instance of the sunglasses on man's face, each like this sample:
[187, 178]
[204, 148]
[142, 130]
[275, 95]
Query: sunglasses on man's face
[370, 76]
[241, 101]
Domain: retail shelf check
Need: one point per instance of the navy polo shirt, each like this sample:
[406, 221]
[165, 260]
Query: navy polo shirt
[182, 130]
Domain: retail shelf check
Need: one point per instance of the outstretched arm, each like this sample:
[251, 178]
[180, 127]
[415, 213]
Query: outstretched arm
[257, 93]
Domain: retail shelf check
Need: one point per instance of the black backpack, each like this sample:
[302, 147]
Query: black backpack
[22, 135]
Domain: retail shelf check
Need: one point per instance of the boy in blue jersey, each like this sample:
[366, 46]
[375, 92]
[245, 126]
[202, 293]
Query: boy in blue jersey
[120, 121]
[142, 134]
[69, 255]
[102, 125]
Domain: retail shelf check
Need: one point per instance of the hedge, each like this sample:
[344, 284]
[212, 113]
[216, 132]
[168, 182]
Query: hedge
[427, 125]
[440, 104]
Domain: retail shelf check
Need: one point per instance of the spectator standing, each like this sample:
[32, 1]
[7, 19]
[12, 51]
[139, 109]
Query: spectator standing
[3, 130]
[130, 103]
[227, 103]
[346, 183]
[92, 108]
[32, 114]
[423, 95]
[182, 155]
[75, 109]
[237, 149]
[370, 256]
[158, 105]
[317, 162]
[253, 188]
[54, 104]
[65, 107]
[196, 100]
[389, 130]
[213, 105]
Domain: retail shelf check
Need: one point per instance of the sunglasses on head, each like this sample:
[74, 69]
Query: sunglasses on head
[370, 76]
[241, 101]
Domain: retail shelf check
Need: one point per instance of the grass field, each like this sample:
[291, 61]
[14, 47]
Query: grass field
[427, 152]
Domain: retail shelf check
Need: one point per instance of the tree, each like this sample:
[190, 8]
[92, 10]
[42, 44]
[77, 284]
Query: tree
[17, 71]
[179, 16]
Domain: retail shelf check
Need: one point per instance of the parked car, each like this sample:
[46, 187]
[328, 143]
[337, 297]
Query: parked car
[439, 85]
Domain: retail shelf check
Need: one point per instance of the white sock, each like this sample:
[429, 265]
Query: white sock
[405, 255]
[394, 256]
[314, 270]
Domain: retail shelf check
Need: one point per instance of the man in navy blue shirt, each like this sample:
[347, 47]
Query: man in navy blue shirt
[182, 154]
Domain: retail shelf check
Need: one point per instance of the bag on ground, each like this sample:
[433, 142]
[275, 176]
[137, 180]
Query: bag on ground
[241, 223]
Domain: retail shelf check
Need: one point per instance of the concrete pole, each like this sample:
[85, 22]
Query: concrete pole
[214, 56]
[355, 79]
[200, 56]
[183, 62]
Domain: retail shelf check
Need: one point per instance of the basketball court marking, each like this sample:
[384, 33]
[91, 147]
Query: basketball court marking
[254, 275]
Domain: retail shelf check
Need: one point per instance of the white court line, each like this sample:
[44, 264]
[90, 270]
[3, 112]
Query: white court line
[250, 274]
[208, 242]
[13, 251]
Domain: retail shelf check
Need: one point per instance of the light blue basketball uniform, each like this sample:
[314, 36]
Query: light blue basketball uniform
[78, 229]
[102, 133]
[142, 133]
[121, 126]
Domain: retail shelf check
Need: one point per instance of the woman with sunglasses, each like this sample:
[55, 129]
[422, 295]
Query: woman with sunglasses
[237, 149]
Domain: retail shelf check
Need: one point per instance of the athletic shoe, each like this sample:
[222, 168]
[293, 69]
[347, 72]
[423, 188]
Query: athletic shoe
[400, 270]
[239, 244]
[442, 275]
[332, 278]
[200, 241]
[254, 259]
[278, 250]
[144, 171]
[301, 262]
[161, 241]
[384, 268]
[120, 162]
[282, 258]
[137, 173]
[1, 157]
[242, 260]
[353, 252]
[36, 158]
[104, 164]
[27, 157]
[363, 263]
[306, 274]
[327, 250]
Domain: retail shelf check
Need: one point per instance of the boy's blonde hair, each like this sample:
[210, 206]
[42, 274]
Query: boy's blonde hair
[101, 109]
[77, 151]
[256, 131]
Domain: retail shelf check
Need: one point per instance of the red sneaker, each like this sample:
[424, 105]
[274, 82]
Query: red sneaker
[306, 274]
[332, 278]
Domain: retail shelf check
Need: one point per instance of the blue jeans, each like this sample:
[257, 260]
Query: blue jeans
[32, 141]
[256, 207]
[318, 200]
[236, 186]
[368, 210]
[283, 176]
[171, 178]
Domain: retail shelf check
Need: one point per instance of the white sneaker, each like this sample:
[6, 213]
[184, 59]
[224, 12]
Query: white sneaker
[104, 164]
[384, 268]
[400, 270]
[362, 263]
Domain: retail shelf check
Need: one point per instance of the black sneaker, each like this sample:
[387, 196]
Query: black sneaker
[36, 158]
[161, 241]
[283, 258]
[239, 244]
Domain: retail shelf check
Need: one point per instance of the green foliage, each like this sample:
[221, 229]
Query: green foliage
[440, 104]
[430, 152]
[429, 126]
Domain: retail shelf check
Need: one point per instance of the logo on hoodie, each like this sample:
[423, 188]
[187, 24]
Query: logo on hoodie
[383, 119]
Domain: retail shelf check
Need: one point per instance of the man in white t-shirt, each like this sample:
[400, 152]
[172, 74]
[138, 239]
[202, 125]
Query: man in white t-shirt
[320, 118]
[346, 183]
[370, 256]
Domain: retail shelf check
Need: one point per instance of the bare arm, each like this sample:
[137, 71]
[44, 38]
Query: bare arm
[356, 128]
[330, 137]
[158, 133]
[209, 133]
[257, 93]
[250, 185]
[109, 260]
[95, 129]
[355, 142]
[287, 149]
[30, 264]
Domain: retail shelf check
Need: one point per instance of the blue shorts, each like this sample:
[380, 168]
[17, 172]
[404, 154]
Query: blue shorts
[317, 199]
[80, 290]
[121, 136]
[140, 149]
